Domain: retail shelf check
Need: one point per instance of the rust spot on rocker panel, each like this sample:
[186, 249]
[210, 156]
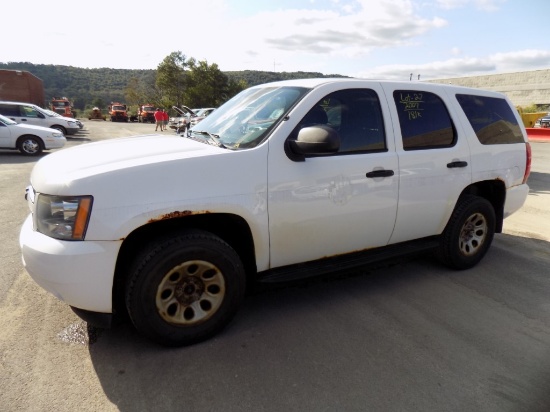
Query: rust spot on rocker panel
[177, 213]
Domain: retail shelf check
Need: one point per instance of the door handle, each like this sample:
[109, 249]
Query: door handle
[457, 163]
[380, 173]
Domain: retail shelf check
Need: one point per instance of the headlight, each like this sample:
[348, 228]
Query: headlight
[57, 134]
[63, 217]
[71, 123]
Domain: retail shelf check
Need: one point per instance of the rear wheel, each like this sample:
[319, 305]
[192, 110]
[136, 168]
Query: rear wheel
[185, 289]
[469, 233]
[30, 145]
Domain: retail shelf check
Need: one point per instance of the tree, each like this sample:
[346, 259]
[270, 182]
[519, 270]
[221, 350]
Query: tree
[207, 86]
[171, 80]
[98, 102]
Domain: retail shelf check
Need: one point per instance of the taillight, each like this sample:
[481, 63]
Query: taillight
[528, 162]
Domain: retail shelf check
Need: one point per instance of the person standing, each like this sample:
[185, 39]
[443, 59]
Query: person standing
[165, 119]
[159, 119]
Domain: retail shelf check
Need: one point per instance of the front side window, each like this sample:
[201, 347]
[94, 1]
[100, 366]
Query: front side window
[491, 118]
[27, 111]
[424, 120]
[357, 117]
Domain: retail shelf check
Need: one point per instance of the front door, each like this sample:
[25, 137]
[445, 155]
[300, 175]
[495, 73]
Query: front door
[345, 202]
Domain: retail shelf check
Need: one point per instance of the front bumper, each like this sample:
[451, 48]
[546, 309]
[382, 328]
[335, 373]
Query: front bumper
[72, 130]
[79, 273]
[54, 142]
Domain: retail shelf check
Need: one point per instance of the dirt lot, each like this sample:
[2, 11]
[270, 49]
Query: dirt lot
[409, 335]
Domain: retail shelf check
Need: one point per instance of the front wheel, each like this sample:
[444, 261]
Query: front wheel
[59, 128]
[30, 145]
[185, 289]
[468, 234]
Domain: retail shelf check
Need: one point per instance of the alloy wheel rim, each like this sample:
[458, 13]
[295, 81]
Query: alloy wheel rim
[473, 234]
[190, 293]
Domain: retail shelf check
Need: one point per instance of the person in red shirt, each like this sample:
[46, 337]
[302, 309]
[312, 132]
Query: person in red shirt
[165, 119]
[159, 118]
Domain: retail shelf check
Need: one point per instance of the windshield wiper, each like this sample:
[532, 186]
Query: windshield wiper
[214, 138]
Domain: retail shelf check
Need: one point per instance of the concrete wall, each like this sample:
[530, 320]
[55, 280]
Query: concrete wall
[523, 88]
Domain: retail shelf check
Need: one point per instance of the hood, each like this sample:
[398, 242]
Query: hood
[184, 110]
[58, 170]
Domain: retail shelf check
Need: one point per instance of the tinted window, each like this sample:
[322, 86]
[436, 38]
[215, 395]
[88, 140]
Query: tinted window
[356, 115]
[9, 110]
[424, 120]
[491, 118]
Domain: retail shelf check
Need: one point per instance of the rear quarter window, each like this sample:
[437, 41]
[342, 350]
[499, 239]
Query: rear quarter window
[491, 118]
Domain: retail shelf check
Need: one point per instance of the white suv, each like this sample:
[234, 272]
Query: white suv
[284, 181]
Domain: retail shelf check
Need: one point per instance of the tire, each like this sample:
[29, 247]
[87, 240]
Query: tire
[185, 289]
[30, 145]
[59, 129]
[469, 233]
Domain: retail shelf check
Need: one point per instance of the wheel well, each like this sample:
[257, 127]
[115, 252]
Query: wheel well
[495, 192]
[59, 127]
[23, 137]
[232, 229]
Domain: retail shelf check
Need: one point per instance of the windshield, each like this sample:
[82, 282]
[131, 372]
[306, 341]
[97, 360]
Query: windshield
[6, 121]
[46, 112]
[246, 120]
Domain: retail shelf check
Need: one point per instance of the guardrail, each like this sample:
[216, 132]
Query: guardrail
[538, 133]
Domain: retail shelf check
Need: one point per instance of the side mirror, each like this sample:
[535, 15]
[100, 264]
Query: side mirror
[313, 140]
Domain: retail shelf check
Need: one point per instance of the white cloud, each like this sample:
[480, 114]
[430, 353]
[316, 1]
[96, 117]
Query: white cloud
[462, 67]
[485, 5]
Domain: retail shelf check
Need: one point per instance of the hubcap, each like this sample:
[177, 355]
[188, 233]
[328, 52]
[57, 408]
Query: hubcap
[30, 146]
[190, 293]
[473, 234]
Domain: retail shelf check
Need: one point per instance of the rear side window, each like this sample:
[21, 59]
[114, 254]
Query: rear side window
[9, 110]
[491, 118]
[424, 120]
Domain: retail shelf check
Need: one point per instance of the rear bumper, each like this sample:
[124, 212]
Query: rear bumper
[515, 198]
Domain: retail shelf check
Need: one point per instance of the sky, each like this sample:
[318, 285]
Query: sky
[377, 39]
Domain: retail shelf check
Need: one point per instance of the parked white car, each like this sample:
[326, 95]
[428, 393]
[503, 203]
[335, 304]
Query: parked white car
[285, 180]
[29, 140]
[201, 114]
[27, 113]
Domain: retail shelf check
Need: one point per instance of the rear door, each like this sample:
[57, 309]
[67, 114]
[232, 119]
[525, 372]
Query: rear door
[434, 159]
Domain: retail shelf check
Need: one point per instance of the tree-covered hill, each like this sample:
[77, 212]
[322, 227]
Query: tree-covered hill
[82, 85]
